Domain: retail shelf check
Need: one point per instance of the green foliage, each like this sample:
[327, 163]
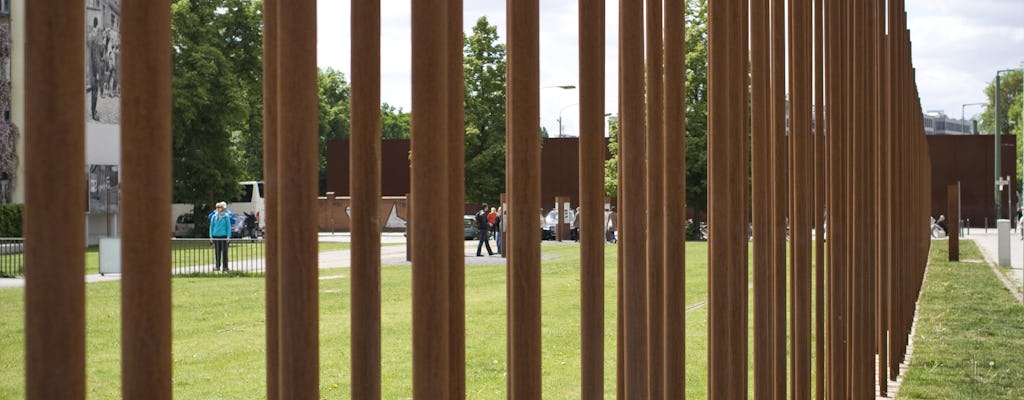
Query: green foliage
[1010, 86]
[696, 113]
[11, 219]
[217, 112]
[335, 95]
[395, 122]
[484, 64]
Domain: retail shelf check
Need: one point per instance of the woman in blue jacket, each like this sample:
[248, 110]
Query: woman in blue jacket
[221, 220]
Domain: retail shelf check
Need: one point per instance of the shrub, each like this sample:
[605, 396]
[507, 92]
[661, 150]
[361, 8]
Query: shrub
[11, 220]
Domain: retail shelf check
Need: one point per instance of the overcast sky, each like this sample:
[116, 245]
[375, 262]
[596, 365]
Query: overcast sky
[958, 47]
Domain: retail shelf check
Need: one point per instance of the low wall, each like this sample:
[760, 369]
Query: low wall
[333, 213]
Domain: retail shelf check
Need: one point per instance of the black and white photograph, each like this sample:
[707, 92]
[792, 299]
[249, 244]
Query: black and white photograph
[102, 49]
[103, 189]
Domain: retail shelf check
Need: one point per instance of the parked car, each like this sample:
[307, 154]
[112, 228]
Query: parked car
[547, 223]
[184, 225]
[245, 225]
[468, 227]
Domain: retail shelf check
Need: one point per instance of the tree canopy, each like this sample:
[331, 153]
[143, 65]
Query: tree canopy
[484, 64]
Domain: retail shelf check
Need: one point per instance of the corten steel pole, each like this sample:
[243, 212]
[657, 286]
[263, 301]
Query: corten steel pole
[364, 175]
[655, 198]
[54, 157]
[779, 186]
[270, 236]
[297, 291]
[819, 201]
[591, 235]
[456, 201]
[883, 171]
[674, 369]
[632, 216]
[954, 223]
[801, 97]
[430, 274]
[524, 159]
[146, 187]
[761, 198]
[727, 195]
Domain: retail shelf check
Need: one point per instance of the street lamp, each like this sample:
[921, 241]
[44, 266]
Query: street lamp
[560, 126]
[563, 87]
[963, 121]
[995, 115]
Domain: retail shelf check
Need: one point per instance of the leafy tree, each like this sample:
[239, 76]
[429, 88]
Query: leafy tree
[216, 62]
[696, 113]
[395, 122]
[1009, 104]
[335, 96]
[484, 64]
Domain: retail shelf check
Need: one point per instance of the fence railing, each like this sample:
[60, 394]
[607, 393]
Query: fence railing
[196, 256]
[12, 257]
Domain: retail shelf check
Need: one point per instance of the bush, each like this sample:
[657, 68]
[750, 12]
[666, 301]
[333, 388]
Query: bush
[11, 220]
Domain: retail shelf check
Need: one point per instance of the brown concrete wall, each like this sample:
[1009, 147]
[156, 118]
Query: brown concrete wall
[559, 169]
[969, 160]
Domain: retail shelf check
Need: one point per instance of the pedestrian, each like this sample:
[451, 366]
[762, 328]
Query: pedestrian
[221, 220]
[612, 224]
[576, 225]
[497, 230]
[482, 231]
[490, 219]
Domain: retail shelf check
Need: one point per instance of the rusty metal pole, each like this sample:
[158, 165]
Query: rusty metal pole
[524, 158]
[655, 177]
[727, 196]
[633, 213]
[883, 171]
[674, 369]
[270, 235]
[779, 189]
[297, 291]
[430, 134]
[364, 175]
[146, 187]
[819, 201]
[801, 98]
[591, 234]
[761, 199]
[456, 201]
[54, 157]
[954, 221]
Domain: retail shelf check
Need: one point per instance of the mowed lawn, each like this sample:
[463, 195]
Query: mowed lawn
[970, 335]
[219, 337]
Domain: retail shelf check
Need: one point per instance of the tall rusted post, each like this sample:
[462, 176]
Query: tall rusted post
[953, 197]
[761, 199]
[456, 201]
[881, 176]
[632, 233]
[727, 195]
[364, 175]
[801, 193]
[591, 235]
[780, 222]
[270, 199]
[146, 188]
[524, 159]
[655, 179]
[430, 134]
[674, 370]
[819, 200]
[298, 294]
[54, 157]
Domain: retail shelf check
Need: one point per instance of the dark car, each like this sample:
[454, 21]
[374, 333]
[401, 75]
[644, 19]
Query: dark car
[244, 226]
[468, 227]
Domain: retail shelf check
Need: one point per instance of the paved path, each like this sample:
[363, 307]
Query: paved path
[392, 253]
[988, 242]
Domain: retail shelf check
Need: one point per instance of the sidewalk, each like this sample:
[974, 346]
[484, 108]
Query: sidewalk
[392, 252]
[988, 242]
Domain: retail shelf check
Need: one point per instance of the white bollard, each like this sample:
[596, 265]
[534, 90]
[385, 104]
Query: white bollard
[1003, 227]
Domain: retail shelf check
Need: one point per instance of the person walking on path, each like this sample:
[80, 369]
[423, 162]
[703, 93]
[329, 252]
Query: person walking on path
[497, 229]
[221, 220]
[613, 225]
[576, 225]
[482, 226]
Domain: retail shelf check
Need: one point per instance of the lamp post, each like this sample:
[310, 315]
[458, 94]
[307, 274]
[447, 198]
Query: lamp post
[561, 127]
[963, 107]
[563, 87]
[997, 142]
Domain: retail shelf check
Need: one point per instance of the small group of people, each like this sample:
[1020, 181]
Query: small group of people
[486, 221]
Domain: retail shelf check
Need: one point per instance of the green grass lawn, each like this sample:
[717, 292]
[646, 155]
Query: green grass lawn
[219, 332]
[969, 336]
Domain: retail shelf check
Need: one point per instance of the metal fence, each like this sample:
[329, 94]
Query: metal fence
[12, 257]
[195, 256]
